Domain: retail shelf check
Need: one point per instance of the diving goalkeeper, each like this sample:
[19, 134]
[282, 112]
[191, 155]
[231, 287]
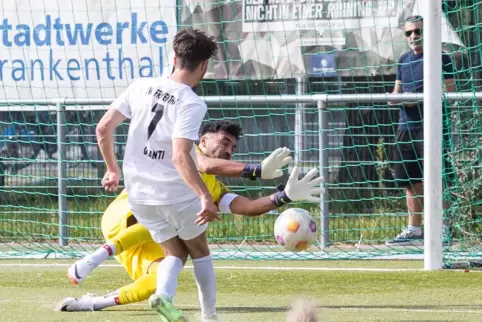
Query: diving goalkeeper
[131, 244]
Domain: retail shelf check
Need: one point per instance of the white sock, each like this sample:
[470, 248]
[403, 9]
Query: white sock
[168, 272]
[415, 230]
[102, 253]
[87, 264]
[206, 284]
[101, 302]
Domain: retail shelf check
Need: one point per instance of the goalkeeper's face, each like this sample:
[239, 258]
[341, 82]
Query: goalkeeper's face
[220, 145]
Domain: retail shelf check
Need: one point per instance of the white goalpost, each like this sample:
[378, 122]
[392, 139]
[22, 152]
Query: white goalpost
[432, 140]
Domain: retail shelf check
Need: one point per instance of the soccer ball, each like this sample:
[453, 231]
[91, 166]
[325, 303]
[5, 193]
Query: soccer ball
[295, 229]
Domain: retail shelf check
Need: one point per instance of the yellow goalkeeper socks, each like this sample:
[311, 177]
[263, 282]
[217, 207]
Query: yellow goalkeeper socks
[129, 237]
[140, 290]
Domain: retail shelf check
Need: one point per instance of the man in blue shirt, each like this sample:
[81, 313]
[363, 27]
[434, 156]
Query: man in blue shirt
[408, 154]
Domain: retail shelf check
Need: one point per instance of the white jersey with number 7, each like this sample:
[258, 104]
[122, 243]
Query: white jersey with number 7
[159, 110]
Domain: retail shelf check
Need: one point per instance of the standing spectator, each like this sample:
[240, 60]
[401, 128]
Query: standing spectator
[408, 154]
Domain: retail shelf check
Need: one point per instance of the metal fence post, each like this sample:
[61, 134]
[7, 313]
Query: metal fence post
[299, 119]
[324, 169]
[62, 174]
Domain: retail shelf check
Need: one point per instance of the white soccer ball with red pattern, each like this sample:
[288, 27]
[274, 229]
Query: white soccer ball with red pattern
[295, 229]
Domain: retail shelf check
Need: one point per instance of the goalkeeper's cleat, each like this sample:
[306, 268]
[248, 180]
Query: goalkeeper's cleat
[80, 269]
[81, 304]
[163, 306]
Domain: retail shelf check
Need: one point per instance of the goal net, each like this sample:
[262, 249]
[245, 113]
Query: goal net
[93, 50]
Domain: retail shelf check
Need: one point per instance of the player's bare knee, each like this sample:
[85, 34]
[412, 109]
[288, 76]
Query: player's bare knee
[179, 253]
[199, 253]
[175, 247]
[183, 258]
[198, 246]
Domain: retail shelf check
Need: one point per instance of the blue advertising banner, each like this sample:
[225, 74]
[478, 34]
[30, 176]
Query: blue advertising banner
[323, 65]
[83, 49]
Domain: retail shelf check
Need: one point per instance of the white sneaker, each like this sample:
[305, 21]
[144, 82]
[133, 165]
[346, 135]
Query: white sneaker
[80, 270]
[71, 304]
[211, 319]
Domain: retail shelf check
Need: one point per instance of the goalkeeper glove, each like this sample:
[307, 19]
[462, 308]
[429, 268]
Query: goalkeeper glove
[299, 190]
[270, 168]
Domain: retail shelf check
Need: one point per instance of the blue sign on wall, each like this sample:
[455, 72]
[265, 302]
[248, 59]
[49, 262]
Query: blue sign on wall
[323, 65]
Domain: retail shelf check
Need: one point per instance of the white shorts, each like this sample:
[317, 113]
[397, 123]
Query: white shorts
[168, 221]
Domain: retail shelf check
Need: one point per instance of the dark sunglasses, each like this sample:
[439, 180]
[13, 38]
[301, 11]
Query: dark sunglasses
[417, 31]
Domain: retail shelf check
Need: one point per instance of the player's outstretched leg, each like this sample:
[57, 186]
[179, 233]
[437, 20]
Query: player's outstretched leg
[124, 240]
[88, 302]
[167, 276]
[83, 267]
[138, 291]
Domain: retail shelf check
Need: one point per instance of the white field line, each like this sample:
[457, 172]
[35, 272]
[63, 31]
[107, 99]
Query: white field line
[254, 268]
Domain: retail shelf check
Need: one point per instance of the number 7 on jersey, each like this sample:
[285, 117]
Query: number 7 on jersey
[158, 110]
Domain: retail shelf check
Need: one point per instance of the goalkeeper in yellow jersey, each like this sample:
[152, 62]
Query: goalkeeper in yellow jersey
[131, 243]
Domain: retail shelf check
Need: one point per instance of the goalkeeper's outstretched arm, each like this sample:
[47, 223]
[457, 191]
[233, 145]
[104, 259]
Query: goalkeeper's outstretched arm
[295, 190]
[270, 168]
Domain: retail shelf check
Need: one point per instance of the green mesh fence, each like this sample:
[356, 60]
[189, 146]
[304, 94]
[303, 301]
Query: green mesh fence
[366, 208]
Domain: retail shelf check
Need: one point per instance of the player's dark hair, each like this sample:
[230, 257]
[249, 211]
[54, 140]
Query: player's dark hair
[191, 47]
[229, 127]
[415, 18]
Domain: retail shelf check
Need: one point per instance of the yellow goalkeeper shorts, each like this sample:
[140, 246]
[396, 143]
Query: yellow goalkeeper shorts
[144, 251]
[137, 260]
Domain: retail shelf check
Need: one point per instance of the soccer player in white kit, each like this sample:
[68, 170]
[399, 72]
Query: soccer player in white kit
[164, 187]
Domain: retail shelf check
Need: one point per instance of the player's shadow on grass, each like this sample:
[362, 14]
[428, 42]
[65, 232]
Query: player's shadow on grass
[265, 309]
[442, 307]
[237, 309]
[261, 309]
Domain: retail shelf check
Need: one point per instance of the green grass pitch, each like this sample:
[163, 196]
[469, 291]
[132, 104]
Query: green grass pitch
[258, 291]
